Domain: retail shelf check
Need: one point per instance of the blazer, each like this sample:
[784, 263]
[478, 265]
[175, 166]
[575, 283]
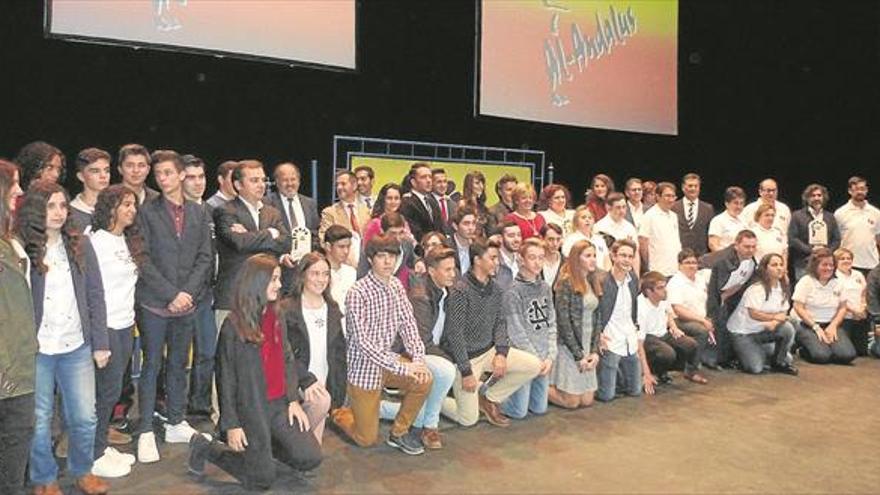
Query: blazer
[425, 296]
[336, 214]
[609, 298]
[727, 262]
[799, 235]
[241, 384]
[294, 326]
[173, 264]
[696, 238]
[420, 221]
[569, 316]
[309, 207]
[234, 248]
[18, 335]
[89, 291]
[451, 208]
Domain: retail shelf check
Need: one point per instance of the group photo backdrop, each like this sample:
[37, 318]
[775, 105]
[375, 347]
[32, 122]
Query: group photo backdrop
[590, 63]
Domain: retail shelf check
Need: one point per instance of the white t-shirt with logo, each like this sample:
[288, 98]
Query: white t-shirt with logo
[859, 228]
[725, 227]
[820, 300]
[755, 297]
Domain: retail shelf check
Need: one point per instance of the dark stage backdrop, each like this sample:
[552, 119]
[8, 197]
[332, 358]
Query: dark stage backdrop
[784, 88]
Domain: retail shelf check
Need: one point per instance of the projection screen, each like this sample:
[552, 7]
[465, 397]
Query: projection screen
[310, 32]
[591, 63]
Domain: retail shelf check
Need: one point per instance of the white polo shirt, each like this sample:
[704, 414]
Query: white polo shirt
[653, 320]
[691, 294]
[859, 228]
[780, 221]
[853, 288]
[618, 230]
[755, 297]
[661, 229]
[820, 300]
[770, 240]
[725, 227]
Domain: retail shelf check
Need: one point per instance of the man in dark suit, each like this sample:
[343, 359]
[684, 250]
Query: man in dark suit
[419, 207]
[177, 245]
[297, 209]
[439, 188]
[694, 216]
[245, 226]
[811, 227]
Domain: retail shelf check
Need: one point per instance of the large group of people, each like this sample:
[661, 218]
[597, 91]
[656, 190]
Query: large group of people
[266, 318]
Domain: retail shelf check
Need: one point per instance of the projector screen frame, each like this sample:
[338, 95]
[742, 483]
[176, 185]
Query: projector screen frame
[216, 54]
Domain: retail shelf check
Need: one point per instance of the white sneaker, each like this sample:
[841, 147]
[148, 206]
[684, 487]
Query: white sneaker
[110, 467]
[147, 451]
[115, 454]
[180, 433]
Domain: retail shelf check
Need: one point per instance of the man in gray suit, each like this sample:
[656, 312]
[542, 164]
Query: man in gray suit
[694, 216]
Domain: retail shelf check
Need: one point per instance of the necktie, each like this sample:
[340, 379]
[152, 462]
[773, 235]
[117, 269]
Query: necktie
[369, 202]
[290, 215]
[352, 217]
[690, 215]
[443, 213]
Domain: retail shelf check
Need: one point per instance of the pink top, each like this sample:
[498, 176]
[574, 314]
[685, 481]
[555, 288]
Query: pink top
[374, 228]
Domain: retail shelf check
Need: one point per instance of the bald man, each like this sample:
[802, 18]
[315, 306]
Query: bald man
[768, 191]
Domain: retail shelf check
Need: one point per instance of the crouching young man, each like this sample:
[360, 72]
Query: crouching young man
[377, 312]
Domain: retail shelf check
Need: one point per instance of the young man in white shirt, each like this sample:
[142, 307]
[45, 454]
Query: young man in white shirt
[768, 192]
[337, 246]
[616, 225]
[687, 293]
[659, 242]
[508, 256]
[859, 224]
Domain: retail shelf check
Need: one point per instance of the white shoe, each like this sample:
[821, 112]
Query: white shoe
[180, 433]
[147, 451]
[110, 467]
[115, 454]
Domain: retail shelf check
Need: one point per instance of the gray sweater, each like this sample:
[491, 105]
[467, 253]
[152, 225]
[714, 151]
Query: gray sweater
[531, 318]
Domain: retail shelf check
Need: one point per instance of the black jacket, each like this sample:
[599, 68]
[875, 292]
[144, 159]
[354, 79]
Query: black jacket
[799, 235]
[425, 296]
[297, 332]
[310, 211]
[609, 299]
[420, 221]
[696, 238]
[569, 316]
[727, 262]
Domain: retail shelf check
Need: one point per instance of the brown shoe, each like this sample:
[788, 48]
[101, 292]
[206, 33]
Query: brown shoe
[116, 437]
[493, 413]
[696, 378]
[92, 485]
[431, 439]
[50, 489]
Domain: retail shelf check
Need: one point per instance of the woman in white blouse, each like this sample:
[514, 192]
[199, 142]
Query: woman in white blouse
[770, 239]
[855, 293]
[820, 306]
[553, 206]
[583, 231]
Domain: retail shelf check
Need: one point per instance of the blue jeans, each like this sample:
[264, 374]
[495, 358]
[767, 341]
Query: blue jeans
[74, 375]
[156, 332]
[201, 376]
[429, 416]
[531, 397]
[614, 367]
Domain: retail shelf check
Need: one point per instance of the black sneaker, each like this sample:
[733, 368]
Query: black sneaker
[664, 379]
[198, 453]
[408, 444]
[788, 369]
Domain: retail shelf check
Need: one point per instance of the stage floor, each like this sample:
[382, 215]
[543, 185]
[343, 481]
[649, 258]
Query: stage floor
[739, 434]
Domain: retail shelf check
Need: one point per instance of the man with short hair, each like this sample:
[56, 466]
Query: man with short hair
[615, 224]
[727, 224]
[635, 208]
[177, 245]
[531, 326]
[93, 170]
[768, 192]
[364, 176]
[659, 241]
[393, 224]
[687, 294]
[225, 188]
[418, 206]
[731, 272]
[508, 266]
[439, 184]
[504, 189]
[812, 227]
[337, 246]
[377, 313]
[133, 164]
[694, 215]
[347, 212]
[298, 209]
[476, 337]
[621, 343]
[464, 231]
[859, 223]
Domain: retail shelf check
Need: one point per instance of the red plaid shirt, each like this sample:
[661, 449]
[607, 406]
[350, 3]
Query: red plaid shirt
[376, 312]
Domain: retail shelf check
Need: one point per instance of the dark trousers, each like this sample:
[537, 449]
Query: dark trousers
[815, 351]
[268, 437]
[156, 333]
[201, 376]
[751, 349]
[16, 430]
[108, 383]
[722, 352]
[700, 334]
[858, 334]
[666, 353]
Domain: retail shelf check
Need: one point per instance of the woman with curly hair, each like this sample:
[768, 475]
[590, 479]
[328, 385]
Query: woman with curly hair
[119, 248]
[553, 205]
[41, 160]
[72, 336]
[388, 201]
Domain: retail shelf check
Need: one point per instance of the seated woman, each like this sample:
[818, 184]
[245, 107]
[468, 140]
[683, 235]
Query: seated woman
[258, 381]
[314, 328]
[855, 289]
[762, 318]
[820, 307]
[523, 215]
[573, 376]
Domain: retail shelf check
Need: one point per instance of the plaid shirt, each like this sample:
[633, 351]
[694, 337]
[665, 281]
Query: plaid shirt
[376, 312]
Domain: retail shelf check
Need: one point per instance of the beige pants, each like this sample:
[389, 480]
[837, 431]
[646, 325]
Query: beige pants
[465, 408]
